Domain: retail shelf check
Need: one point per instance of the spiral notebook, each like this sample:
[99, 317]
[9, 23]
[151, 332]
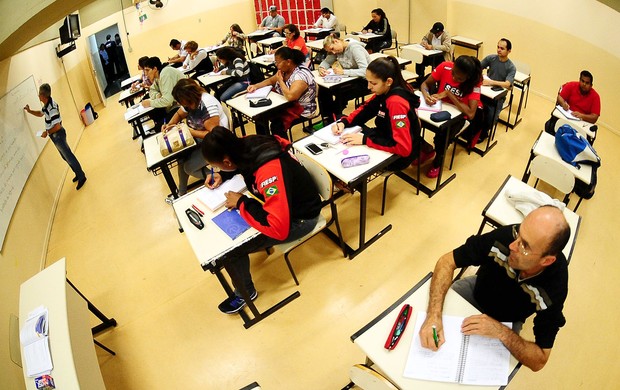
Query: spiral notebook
[469, 360]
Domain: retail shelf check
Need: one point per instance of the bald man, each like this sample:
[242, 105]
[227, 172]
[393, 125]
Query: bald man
[522, 272]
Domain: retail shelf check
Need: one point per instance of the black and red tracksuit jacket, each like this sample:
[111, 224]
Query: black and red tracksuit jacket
[285, 191]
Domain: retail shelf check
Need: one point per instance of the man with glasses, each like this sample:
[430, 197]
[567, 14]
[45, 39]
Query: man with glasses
[522, 271]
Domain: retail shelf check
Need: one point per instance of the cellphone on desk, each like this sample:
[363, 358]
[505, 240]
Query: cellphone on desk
[314, 148]
[497, 88]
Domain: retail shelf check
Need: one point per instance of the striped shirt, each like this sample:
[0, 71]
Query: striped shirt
[239, 69]
[207, 108]
[308, 98]
[52, 114]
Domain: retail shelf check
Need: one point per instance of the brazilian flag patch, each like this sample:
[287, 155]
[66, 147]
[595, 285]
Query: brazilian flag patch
[400, 124]
[271, 191]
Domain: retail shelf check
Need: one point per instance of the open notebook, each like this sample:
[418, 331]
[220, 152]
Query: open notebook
[214, 199]
[259, 93]
[470, 360]
[567, 113]
[424, 106]
[327, 135]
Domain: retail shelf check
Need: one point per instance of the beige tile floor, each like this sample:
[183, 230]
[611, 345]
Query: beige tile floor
[125, 253]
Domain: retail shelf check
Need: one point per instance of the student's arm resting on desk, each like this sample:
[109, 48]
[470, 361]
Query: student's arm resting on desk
[327, 62]
[273, 217]
[440, 283]
[468, 109]
[270, 81]
[526, 352]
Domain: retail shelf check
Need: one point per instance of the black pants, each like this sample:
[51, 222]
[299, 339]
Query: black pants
[158, 115]
[333, 101]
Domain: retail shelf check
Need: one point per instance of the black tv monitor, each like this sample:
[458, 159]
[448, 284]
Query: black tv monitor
[70, 29]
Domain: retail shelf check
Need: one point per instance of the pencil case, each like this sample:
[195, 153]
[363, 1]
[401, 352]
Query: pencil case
[264, 102]
[353, 161]
[440, 116]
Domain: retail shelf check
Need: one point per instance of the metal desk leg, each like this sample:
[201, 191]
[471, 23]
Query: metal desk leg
[174, 190]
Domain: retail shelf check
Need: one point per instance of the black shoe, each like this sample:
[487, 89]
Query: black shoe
[81, 183]
[234, 304]
[75, 179]
[482, 138]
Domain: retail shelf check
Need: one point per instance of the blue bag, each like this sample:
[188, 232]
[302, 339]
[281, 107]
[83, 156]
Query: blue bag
[574, 148]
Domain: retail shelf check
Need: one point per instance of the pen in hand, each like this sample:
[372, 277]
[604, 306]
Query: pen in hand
[435, 338]
[212, 178]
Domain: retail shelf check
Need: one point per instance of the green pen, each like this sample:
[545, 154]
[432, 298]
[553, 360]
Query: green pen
[435, 336]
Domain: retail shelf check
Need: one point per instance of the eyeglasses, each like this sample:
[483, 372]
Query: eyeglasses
[522, 249]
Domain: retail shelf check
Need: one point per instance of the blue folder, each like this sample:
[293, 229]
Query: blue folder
[231, 223]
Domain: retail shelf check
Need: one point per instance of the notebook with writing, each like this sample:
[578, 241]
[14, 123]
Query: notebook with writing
[213, 199]
[470, 360]
[231, 222]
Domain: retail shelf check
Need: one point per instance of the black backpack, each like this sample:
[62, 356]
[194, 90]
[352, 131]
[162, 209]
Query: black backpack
[256, 74]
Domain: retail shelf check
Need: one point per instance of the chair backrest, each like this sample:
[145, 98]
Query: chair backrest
[320, 176]
[415, 56]
[342, 28]
[522, 67]
[229, 116]
[554, 173]
[589, 134]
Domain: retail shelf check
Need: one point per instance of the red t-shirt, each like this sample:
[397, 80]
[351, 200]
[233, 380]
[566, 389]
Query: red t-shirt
[585, 104]
[298, 42]
[443, 75]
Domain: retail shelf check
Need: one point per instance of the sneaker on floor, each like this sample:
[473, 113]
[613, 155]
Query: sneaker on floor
[232, 305]
[433, 172]
[424, 157]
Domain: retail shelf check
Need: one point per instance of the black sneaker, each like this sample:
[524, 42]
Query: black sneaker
[234, 304]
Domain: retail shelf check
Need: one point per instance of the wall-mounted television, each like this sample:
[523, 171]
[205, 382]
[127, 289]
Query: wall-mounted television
[70, 29]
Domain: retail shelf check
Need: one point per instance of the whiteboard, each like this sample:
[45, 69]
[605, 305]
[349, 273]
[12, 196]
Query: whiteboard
[19, 146]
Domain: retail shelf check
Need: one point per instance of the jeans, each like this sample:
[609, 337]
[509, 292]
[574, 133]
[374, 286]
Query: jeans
[59, 139]
[194, 165]
[237, 262]
[232, 91]
[465, 288]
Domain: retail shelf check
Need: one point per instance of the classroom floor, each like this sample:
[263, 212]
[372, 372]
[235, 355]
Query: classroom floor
[125, 253]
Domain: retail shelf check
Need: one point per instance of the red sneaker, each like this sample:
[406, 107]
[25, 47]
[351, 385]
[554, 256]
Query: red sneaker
[424, 157]
[433, 172]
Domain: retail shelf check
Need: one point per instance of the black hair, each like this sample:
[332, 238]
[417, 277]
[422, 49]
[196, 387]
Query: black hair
[102, 46]
[286, 53]
[472, 69]
[108, 36]
[244, 152]
[154, 63]
[585, 73]
[174, 42]
[142, 61]
[379, 12]
[230, 53]
[508, 43]
[388, 67]
[325, 10]
[293, 30]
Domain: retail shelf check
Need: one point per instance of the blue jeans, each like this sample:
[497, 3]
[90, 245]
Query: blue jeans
[237, 262]
[59, 139]
[232, 91]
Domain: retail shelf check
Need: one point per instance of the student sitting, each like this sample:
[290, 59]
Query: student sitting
[203, 112]
[163, 79]
[378, 25]
[178, 59]
[197, 59]
[145, 82]
[287, 207]
[235, 37]
[327, 20]
[348, 58]
[296, 83]
[397, 127]
[233, 63]
[295, 41]
[459, 84]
